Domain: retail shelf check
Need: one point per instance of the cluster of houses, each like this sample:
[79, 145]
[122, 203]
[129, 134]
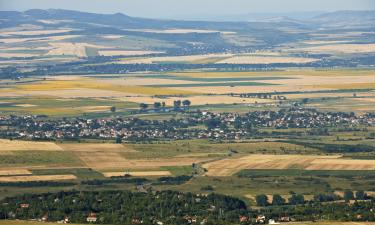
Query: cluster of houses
[191, 125]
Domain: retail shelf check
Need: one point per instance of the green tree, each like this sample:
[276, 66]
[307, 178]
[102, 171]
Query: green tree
[297, 199]
[237, 123]
[177, 104]
[262, 200]
[348, 195]
[157, 105]
[143, 106]
[278, 200]
[113, 109]
[186, 103]
[360, 195]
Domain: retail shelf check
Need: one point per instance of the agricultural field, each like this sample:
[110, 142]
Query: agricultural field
[96, 94]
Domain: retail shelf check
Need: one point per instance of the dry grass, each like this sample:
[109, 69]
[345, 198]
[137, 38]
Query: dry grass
[138, 173]
[37, 178]
[7, 145]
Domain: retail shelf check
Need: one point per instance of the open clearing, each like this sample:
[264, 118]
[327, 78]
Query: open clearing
[138, 173]
[37, 178]
[7, 145]
[228, 167]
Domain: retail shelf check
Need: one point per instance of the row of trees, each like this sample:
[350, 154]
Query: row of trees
[124, 207]
[298, 199]
[158, 105]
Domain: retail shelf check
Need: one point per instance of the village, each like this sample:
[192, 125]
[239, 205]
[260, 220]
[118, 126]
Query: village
[190, 125]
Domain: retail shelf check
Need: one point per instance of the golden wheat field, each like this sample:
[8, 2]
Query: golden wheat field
[37, 178]
[229, 166]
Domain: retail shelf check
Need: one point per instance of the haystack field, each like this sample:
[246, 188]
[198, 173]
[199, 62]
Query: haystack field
[37, 178]
[15, 145]
[230, 166]
[138, 173]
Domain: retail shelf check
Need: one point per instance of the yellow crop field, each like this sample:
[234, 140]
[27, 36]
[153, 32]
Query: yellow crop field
[91, 84]
[7, 145]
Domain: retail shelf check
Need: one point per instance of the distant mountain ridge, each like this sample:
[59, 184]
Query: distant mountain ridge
[332, 19]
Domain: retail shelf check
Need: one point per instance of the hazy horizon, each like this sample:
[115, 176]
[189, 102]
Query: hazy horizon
[193, 9]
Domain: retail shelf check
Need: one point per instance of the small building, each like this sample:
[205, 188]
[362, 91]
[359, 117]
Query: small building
[243, 219]
[44, 218]
[260, 219]
[24, 205]
[92, 218]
